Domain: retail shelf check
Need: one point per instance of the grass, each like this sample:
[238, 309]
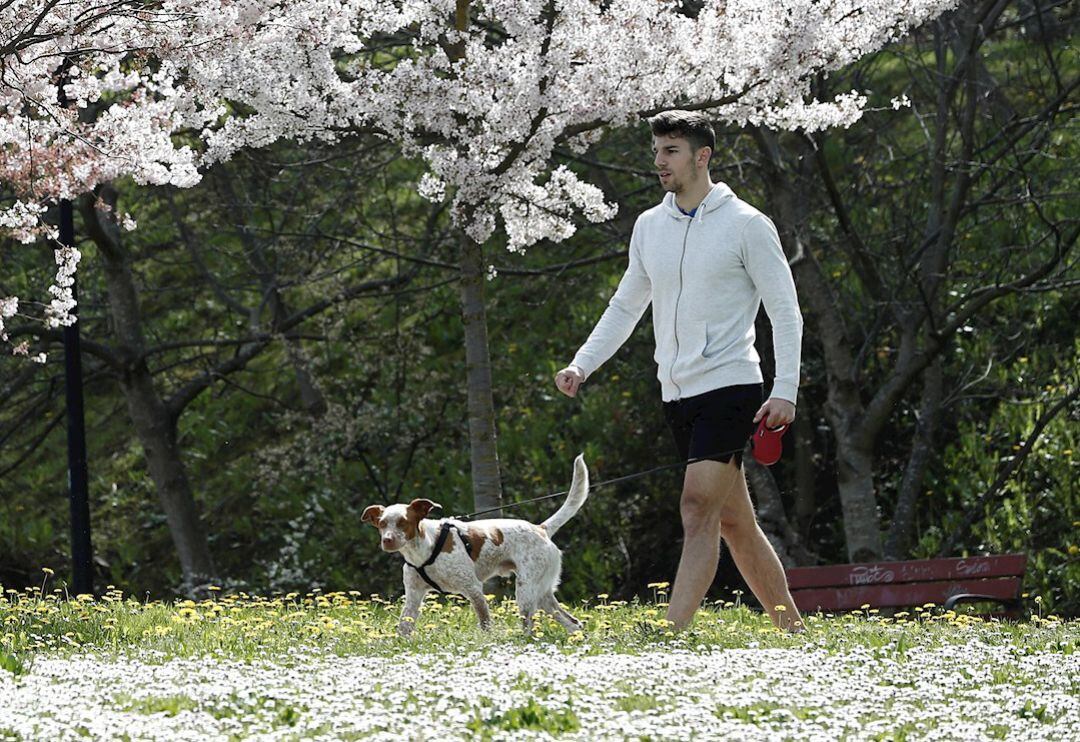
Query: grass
[304, 665]
[249, 627]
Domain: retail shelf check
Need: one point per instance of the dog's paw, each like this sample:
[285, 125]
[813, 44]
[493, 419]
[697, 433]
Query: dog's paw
[405, 628]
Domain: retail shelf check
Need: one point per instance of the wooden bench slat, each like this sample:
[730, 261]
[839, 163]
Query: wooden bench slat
[924, 570]
[901, 594]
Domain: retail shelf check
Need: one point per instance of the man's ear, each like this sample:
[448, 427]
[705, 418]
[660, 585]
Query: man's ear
[706, 154]
[371, 514]
[422, 507]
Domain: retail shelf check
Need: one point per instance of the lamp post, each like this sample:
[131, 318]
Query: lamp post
[81, 552]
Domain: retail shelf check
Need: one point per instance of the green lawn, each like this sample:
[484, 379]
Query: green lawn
[331, 666]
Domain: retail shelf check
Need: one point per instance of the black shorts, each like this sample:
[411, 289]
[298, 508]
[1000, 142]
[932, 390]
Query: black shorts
[715, 425]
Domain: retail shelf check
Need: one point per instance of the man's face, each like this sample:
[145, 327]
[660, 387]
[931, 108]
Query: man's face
[676, 162]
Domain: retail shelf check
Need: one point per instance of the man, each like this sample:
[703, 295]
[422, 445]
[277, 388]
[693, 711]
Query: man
[706, 261]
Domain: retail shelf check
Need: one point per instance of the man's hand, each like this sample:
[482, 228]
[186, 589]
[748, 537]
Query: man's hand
[776, 412]
[569, 380]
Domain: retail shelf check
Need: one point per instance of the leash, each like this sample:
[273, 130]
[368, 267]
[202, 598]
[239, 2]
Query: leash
[608, 482]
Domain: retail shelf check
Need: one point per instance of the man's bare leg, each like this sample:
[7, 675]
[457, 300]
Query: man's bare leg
[705, 487]
[715, 501]
[756, 559]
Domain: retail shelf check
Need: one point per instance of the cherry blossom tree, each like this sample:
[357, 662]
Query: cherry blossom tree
[481, 92]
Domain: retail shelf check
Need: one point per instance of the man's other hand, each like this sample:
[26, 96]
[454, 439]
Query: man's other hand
[569, 380]
[776, 412]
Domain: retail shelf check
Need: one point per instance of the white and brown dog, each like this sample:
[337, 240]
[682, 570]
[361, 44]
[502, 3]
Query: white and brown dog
[437, 557]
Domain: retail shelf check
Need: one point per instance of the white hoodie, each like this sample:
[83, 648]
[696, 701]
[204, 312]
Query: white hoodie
[706, 277]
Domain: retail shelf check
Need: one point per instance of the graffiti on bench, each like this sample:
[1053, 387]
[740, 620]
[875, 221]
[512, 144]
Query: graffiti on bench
[875, 574]
[870, 575]
[972, 567]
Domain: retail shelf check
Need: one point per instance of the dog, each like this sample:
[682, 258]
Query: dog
[471, 552]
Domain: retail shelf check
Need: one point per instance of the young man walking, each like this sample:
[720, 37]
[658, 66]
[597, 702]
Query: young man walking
[706, 261]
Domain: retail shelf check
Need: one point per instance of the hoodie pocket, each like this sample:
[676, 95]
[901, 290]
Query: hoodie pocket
[712, 347]
[693, 339]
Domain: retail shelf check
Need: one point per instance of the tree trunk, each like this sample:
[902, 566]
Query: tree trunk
[805, 504]
[311, 398]
[844, 408]
[157, 433]
[483, 450]
[855, 481]
[153, 424]
[903, 522]
[772, 518]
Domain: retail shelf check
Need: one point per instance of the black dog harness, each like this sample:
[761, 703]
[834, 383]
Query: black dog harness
[443, 533]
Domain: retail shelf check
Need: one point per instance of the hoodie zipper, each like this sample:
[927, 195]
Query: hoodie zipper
[678, 297]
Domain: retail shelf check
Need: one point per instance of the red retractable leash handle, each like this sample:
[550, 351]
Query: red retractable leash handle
[766, 444]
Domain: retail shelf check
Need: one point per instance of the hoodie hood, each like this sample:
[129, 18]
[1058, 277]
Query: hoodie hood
[719, 195]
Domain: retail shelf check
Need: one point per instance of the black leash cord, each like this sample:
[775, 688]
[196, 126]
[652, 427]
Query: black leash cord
[606, 483]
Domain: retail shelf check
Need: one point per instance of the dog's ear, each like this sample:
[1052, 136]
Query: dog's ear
[371, 514]
[422, 507]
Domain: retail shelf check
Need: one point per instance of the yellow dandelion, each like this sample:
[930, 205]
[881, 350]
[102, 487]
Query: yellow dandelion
[47, 571]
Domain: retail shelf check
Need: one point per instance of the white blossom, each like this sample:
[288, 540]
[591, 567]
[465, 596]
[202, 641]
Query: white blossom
[484, 116]
[973, 690]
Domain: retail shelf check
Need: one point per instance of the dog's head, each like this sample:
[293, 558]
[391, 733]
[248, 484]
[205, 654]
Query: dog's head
[399, 523]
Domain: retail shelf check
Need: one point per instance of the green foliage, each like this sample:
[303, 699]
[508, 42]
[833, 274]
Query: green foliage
[532, 716]
[167, 705]
[12, 663]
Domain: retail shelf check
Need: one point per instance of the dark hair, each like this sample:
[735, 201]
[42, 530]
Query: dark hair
[693, 126]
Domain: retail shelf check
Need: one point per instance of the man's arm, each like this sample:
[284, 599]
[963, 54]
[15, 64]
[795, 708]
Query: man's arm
[615, 325]
[769, 270]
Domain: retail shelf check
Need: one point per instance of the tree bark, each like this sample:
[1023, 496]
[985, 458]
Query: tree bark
[922, 451]
[311, 398]
[154, 426]
[855, 482]
[844, 408]
[805, 501]
[483, 449]
[771, 517]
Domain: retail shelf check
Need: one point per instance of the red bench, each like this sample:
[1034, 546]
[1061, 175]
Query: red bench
[946, 582]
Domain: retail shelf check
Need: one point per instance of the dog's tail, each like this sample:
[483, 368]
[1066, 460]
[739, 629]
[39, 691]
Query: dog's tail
[579, 491]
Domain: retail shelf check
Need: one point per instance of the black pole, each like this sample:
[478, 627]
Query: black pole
[83, 576]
